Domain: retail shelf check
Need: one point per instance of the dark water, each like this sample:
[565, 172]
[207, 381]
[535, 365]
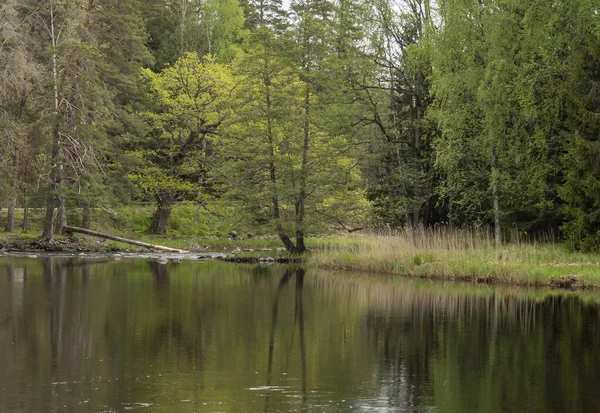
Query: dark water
[78, 336]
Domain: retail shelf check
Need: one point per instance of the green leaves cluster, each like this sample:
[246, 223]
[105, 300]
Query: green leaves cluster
[513, 87]
[190, 100]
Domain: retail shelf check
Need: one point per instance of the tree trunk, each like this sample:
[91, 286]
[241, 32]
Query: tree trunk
[25, 225]
[13, 191]
[10, 220]
[287, 242]
[497, 221]
[61, 216]
[300, 246]
[49, 218]
[418, 190]
[86, 216]
[300, 207]
[389, 180]
[55, 161]
[70, 230]
[450, 211]
[161, 215]
[496, 200]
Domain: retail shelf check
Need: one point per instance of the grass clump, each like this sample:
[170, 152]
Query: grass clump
[460, 254]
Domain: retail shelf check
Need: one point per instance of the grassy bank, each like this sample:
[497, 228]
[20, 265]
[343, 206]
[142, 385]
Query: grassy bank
[190, 227]
[437, 254]
[187, 219]
[462, 255]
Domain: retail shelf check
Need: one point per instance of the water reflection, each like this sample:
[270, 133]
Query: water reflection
[80, 335]
[160, 273]
[298, 321]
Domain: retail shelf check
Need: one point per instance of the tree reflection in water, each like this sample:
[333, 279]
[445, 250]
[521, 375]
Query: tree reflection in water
[298, 321]
[218, 337]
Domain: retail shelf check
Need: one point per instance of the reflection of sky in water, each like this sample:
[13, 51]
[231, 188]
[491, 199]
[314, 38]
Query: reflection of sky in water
[204, 336]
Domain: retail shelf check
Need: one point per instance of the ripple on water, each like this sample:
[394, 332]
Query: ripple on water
[139, 405]
[269, 388]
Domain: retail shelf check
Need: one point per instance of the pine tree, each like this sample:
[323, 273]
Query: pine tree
[18, 77]
[89, 52]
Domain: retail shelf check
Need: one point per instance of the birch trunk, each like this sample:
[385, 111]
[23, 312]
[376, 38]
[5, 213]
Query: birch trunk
[55, 161]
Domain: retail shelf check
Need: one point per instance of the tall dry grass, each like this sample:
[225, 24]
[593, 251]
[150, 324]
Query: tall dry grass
[453, 253]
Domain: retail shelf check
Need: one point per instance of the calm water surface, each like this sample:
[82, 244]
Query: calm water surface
[86, 336]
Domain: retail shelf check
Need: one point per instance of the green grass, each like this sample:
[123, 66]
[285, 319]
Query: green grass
[460, 255]
[187, 219]
[439, 254]
[190, 228]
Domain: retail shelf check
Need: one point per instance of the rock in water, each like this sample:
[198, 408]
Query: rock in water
[162, 260]
[567, 281]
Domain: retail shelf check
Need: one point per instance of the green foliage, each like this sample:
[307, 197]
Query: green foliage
[190, 99]
[505, 96]
[323, 116]
[187, 219]
[394, 98]
[178, 27]
[291, 166]
[449, 254]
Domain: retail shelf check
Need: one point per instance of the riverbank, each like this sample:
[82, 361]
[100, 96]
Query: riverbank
[437, 255]
[463, 256]
[249, 251]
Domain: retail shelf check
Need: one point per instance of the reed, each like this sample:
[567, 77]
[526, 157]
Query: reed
[460, 254]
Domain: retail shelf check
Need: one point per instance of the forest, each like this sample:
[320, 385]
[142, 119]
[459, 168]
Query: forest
[304, 117]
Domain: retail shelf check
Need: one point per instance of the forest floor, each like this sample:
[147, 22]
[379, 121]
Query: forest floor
[30, 242]
[226, 249]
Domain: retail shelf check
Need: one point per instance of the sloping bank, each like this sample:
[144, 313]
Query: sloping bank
[462, 258]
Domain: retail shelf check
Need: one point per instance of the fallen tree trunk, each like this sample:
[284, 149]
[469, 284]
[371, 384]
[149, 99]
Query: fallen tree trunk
[69, 230]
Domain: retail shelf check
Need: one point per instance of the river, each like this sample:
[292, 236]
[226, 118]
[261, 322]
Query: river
[98, 335]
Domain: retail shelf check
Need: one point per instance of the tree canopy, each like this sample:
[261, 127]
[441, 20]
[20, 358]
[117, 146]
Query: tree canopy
[306, 118]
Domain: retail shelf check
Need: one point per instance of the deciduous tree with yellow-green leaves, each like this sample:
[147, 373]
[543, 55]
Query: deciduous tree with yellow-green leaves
[190, 101]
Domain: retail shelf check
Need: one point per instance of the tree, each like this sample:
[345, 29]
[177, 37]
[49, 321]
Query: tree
[394, 94]
[88, 50]
[176, 27]
[573, 59]
[312, 35]
[297, 170]
[488, 153]
[18, 77]
[193, 98]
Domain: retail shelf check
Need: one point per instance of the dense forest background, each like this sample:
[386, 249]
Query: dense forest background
[305, 117]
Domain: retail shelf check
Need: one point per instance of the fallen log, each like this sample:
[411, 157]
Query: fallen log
[69, 230]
